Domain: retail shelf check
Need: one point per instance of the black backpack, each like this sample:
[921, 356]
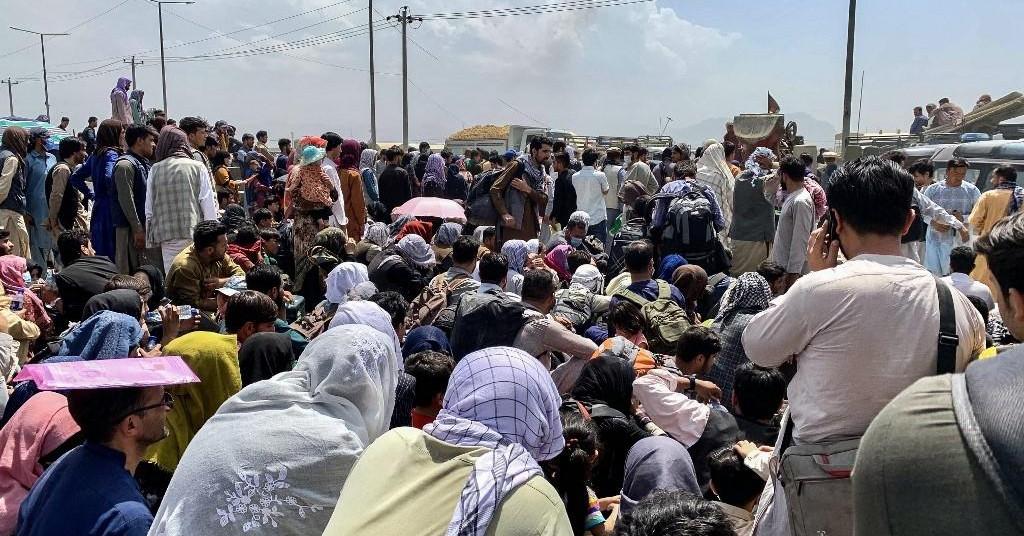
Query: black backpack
[479, 207]
[484, 320]
[690, 224]
[631, 231]
[917, 229]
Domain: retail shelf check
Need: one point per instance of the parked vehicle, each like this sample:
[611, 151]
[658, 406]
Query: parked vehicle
[982, 156]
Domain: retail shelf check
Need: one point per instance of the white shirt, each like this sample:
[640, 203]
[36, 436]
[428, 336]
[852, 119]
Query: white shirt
[970, 287]
[591, 186]
[338, 218]
[677, 414]
[611, 172]
[861, 333]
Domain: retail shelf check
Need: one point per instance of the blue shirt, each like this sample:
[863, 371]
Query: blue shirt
[87, 492]
[35, 185]
[919, 124]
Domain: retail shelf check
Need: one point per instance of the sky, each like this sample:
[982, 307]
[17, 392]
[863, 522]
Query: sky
[619, 71]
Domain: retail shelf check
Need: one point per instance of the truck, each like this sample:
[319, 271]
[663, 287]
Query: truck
[495, 138]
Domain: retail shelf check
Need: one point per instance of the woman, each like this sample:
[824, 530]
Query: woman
[606, 384]
[654, 463]
[120, 110]
[39, 433]
[311, 194]
[369, 314]
[425, 338]
[374, 240]
[369, 176]
[416, 227]
[214, 358]
[326, 252]
[713, 171]
[264, 355]
[12, 270]
[352, 188]
[504, 422]
[442, 244]
[221, 175]
[668, 266]
[251, 468]
[456, 185]
[105, 335]
[746, 297]
[14, 147]
[558, 260]
[343, 279]
[516, 251]
[405, 269]
[692, 281]
[435, 177]
[100, 166]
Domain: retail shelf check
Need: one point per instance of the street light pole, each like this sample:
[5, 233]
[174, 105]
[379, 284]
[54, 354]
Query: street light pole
[848, 90]
[404, 18]
[373, 95]
[42, 47]
[160, 18]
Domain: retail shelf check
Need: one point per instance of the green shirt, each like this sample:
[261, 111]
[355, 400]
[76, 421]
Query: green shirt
[407, 482]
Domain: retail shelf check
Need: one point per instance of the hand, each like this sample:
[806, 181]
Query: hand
[139, 239]
[605, 503]
[157, 351]
[940, 227]
[565, 323]
[521, 185]
[213, 283]
[817, 259]
[708, 391]
[28, 220]
[37, 287]
[964, 235]
[745, 448]
[288, 296]
[507, 220]
[170, 321]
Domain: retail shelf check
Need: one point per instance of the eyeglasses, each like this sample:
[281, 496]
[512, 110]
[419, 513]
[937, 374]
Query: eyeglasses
[167, 400]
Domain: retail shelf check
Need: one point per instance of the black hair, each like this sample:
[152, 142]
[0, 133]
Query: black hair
[642, 208]
[570, 471]
[264, 278]
[446, 154]
[33, 268]
[981, 306]
[793, 168]
[944, 100]
[135, 133]
[806, 159]
[577, 258]
[248, 306]
[1003, 248]
[730, 148]
[424, 146]
[465, 249]
[92, 118]
[261, 133]
[246, 235]
[70, 243]
[698, 340]
[1007, 173]
[539, 285]
[489, 233]
[918, 109]
[191, 124]
[220, 158]
[539, 142]
[65, 118]
[590, 157]
[895, 155]
[675, 513]
[69, 146]
[493, 268]
[771, 270]
[558, 146]
[682, 170]
[130, 282]
[282, 143]
[206, 234]
[262, 214]
[683, 149]
[625, 315]
[735, 483]
[961, 259]
[638, 255]
[94, 409]
[392, 153]
[248, 136]
[395, 305]
[872, 195]
[759, 391]
[563, 158]
[333, 140]
[432, 371]
[666, 154]
[957, 162]
[211, 141]
[222, 194]
[270, 234]
[922, 166]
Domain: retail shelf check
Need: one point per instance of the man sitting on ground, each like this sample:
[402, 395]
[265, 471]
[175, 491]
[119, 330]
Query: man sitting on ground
[85, 274]
[737, 487]
[268, 280]
[202, 268]
[757, 395]
[249, 312]
[431, 370]
[961, 263]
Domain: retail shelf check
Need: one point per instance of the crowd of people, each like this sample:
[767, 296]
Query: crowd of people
[704, 343]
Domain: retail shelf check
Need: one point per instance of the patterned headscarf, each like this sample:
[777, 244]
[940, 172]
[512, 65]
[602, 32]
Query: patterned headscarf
[750, 292]
[414, 249]
[435, 172]
[503, 399]
[343, 278]
[447, 234]
[377, 234]
[366, 159]
[753, 166]
[533, 246]
[558, 260]
[516, 252]
[15, 140]
[367, 313]
[350, 155]
[172, 143]
[533, 170]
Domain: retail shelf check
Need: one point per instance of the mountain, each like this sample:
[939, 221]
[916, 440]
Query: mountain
[814, 130]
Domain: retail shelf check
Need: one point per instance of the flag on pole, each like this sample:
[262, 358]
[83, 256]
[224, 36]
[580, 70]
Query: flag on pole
[773, 105]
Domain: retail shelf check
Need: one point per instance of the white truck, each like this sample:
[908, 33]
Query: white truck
[499, 139]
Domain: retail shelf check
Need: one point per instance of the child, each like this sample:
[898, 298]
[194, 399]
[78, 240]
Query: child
[757, 396]
[737, 488]
[271, 239]
[625, 321]
[570, 472]
[432, 371]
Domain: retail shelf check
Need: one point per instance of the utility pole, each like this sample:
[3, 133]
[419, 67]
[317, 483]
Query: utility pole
[860, 105]
[373, 95]
[848, 90]
[405, 19]
[134, 62]
[42, 46]
[160, 17]
[10, 94]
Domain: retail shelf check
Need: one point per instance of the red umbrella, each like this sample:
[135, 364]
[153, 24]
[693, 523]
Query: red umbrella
[432, 207]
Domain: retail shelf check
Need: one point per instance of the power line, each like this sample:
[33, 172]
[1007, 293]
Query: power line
[524, 114]
[75, 27]
[532, 10]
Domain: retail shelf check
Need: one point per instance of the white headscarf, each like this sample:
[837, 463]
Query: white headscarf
[369, 314]
[285, 446]
[343, 279]
[589, 277]
[501, 398]
[713, 171]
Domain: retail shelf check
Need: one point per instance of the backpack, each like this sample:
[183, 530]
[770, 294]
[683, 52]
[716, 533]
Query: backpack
[631, 231]
[314, 323]
[479, 207]
[485, 320]
[917, 229]
[690, 224]
[576, 305]
[434, 297]
[664, 320]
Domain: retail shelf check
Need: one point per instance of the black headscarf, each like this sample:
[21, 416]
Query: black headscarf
[263, 355]
[156, 284]
[233, 218]
[606, 380]
[123, 301]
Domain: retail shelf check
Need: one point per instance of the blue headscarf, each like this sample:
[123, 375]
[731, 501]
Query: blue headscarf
[668, 266]
[425, 338]
[516, 251]
[104, 335]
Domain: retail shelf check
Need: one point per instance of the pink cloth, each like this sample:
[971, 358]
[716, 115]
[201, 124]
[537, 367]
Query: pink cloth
[558, 260]
[102, 373]
[37, 429]
[677, 414]
[12, 268]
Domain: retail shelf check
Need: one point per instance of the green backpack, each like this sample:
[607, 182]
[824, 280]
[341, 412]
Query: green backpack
[664, 320]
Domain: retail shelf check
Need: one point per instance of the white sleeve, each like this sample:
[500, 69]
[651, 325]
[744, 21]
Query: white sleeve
[149, 198]
[677, 414]
[207, 201]
[604, 182]
[338, 209]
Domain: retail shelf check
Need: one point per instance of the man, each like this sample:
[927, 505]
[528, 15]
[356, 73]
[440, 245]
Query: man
[932, 110]
[473, 163]
[945, 431]
[195, 130]
[432, 371]
[961, 263]
[591, 188]
[795, 223]
[202, 268]
[663, 172]
[563, 195]
[954, 113]
[640, 171]
[394, 185]
[1004, 198]
[755, 398]
[420, 164]
[639, 257]
[249, 312]
[5, 243]
[957, 197]
[14, 148]
[920, 121]
[84, 274]
[284, 146]
[730, 134]
[446, 288]
[37, 163]
[680, 154]
[573, 233]
[267, 279]
[65, 121]
[91, 489]
[494, 275]
[89, 135]
[616, 175]
[913, 243]
[519, 195]
[261, 146]
[753, 223]
[775, 275]
[333, 148]
[131, 174]
[65, 210]
[210, 147]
